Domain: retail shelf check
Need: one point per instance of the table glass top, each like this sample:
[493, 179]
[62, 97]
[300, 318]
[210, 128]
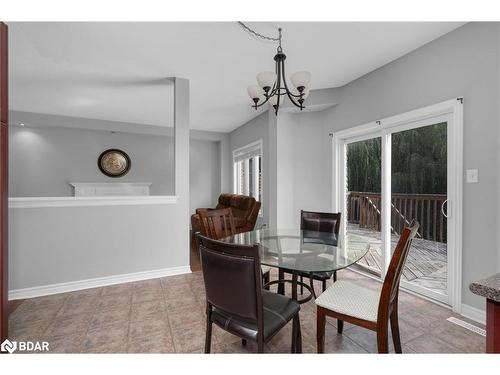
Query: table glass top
[302, 250]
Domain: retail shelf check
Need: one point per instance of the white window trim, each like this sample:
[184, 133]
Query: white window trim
[260, 145]
[383, 128]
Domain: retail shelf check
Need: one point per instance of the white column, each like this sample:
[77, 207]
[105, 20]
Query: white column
[181, 131]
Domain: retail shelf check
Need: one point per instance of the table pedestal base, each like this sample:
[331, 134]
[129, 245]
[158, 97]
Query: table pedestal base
[295, 283]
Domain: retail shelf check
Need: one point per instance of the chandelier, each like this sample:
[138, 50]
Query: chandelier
[272, 86]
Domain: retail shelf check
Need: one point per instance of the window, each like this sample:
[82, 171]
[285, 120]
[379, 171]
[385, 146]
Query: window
[248, 171]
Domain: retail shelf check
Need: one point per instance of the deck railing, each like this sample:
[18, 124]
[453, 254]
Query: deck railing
[364, 209]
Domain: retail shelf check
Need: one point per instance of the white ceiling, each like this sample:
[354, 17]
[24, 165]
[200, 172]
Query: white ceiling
[116, 71]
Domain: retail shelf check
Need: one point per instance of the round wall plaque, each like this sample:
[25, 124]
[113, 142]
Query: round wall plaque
[114, 163]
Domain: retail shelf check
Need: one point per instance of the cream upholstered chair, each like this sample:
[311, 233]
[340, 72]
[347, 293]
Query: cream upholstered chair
[364, 307]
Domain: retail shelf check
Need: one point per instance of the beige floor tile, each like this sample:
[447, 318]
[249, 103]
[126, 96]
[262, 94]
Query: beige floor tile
[103, 318]
[67, 326]
[336, 343]
[28, 332]
[191, 339]
[142, 295]
[186, 301]
[366, 338]
[105, 340]
[152, 344]
[25, 317]
[77, 306]
[149, 327]
[144, 310]
[109, 301]
[462, 339]
[148, 285]
[430, 344]
[117, 289]
[66, 344]
[185, 318]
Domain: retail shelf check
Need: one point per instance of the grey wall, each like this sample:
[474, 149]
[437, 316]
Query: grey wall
[464, 63]
[310, 164]
[204, 178]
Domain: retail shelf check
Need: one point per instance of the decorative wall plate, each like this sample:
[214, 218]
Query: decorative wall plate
[114, 162]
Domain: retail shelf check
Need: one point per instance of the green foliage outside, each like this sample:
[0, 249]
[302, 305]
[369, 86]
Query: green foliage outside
[418, 162]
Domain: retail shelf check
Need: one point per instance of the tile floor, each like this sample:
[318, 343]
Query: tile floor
[168, 316]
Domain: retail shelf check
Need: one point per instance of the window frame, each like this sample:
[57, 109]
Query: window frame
[256, 145]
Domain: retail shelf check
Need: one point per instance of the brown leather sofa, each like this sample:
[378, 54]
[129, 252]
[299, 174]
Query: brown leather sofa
[245, 210]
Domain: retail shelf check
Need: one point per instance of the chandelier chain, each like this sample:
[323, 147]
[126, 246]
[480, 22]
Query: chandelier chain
[258, 35]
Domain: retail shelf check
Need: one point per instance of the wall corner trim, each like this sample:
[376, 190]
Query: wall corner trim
[39, 202]
[71, 286]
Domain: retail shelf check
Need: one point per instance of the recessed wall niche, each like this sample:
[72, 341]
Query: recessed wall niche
[50, 154]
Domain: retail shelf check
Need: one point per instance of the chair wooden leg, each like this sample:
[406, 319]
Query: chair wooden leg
[382, 338]
[334, 276]
[395, 331]
[208, 333]
[301, 286]
[244, 342]
[324, 285]
[320, 329]
[340, 326]
[294, 336]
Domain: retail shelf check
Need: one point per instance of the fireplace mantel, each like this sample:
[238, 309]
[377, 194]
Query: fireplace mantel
[114, 189]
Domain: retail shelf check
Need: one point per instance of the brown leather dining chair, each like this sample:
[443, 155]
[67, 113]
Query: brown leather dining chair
[310, 224]
[236, 301]
[368, 308]
[219, 223]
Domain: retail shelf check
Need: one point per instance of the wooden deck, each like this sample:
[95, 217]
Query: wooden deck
[426, 263]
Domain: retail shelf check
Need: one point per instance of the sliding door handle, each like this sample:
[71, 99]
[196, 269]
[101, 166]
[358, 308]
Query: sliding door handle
[445, 214]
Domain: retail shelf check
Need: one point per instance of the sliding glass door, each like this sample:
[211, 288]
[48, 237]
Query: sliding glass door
[419, 192]
[401, 169]
[363, 215]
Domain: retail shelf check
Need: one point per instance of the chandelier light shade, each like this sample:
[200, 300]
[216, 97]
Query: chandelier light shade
[266, 80]
[301, 79]
[272, 86]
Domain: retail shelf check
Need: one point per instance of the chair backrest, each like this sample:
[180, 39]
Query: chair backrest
[217, 224]
[232, 277]
[390, 288]
[241, 206]
[320, 221]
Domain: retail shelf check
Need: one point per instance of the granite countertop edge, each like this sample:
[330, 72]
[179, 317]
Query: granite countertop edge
[489, 287]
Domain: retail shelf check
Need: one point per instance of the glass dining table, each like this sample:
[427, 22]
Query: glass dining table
[296, 251]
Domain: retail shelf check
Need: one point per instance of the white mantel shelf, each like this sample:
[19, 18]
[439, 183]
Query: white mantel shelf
[39, 202]
[114, 189]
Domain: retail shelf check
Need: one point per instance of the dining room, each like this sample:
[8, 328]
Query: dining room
[335, 210]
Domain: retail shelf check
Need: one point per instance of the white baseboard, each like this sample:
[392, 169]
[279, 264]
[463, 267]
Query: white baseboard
[473, 313]
[72, 286]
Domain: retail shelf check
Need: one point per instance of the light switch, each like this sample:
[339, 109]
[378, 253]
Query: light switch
[472, 176]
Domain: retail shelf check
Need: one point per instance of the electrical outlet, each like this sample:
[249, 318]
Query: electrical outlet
[472, 176]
